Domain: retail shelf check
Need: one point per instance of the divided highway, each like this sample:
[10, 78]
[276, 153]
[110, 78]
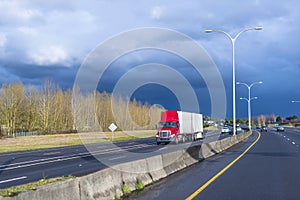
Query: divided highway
[22, 167]
[268, 170]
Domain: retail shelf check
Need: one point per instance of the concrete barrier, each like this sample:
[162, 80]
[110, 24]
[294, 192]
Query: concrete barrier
[107, 183]
[67, 189]
[100, 185]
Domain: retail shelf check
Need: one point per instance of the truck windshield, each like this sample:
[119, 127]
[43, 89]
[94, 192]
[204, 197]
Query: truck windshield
[167, 124]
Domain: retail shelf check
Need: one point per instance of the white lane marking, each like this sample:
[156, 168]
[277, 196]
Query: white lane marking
[100, 147]
[284, 136]
[293, 143]
[13, 179]
[288, 139]
[162, 148]
[51, 153]
[64, 158]
[131, 143]
[115, 158]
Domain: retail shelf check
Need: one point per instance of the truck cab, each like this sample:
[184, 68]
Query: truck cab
[168, 127]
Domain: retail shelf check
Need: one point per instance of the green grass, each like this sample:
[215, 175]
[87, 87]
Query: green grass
[117, 197]
[139, 185]
[60, 140]
[15, 190]
[126, 189]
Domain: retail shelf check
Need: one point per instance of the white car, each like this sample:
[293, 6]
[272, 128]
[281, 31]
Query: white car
[280, 128]
[239, 129]
[226, 129]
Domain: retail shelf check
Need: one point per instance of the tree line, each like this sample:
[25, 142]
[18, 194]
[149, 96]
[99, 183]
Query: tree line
[263, 120]
[50, 110]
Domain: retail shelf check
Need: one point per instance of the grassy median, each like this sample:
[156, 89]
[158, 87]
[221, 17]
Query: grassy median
[15, 190]
[59, 140]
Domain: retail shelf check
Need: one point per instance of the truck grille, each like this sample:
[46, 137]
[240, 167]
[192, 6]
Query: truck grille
[164, 134]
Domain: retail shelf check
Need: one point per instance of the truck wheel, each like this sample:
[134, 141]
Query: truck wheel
[158, 143]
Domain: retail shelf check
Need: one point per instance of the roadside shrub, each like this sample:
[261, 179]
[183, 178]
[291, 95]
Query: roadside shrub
[117, 197]
[205, 125]
[297, 125]
[126, 189]
[139, 185]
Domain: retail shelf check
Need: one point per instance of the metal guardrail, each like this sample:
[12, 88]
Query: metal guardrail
[19, 134]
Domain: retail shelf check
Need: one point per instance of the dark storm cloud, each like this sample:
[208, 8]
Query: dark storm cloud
[50, 39]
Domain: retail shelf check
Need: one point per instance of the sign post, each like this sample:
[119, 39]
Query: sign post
[112, 128]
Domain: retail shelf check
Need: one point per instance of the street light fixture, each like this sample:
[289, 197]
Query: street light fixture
[295, 101]
[233, 39]
[249, 99]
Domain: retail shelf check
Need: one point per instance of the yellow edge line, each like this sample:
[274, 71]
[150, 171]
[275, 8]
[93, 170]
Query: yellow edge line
[222, 171]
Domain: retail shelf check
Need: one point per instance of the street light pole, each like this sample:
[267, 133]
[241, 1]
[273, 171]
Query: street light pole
[249, 110]
[233, 39]
[249, 99]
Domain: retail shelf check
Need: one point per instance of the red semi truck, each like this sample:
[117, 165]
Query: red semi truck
[176, 126]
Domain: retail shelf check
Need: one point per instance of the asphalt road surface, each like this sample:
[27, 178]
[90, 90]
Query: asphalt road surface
[270, 169]
[22, 167]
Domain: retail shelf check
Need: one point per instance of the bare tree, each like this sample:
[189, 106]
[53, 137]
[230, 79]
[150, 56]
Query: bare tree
[32, 97]
[45, 105]
[13, 100]
[262, 120]
[52, 110]
[68, 118]
[273, 118]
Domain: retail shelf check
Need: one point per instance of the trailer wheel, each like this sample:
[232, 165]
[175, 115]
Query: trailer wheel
[193, 137]
[176, 140]
[183, 139]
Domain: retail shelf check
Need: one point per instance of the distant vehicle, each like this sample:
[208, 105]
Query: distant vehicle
[280, 128]
[175, 126]
[238, 128]
[226, 129]
[263, 128]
